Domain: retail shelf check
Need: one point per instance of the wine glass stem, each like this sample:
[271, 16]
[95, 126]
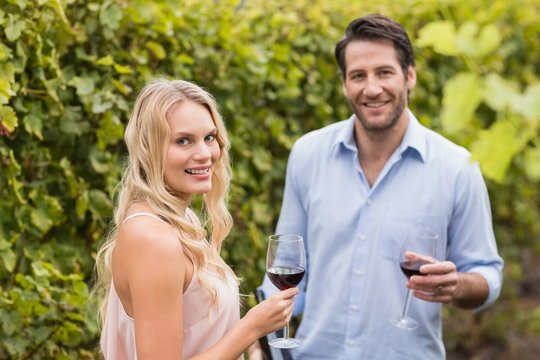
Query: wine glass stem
[286, 332]
[406, 307]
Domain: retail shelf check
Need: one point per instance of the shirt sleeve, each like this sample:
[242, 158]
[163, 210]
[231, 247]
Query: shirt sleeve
[472, 242]
[292, 220]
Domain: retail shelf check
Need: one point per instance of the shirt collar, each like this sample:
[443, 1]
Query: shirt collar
[346, 135]
[415, 136]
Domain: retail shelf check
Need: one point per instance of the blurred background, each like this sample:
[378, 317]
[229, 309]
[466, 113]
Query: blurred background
[69, 73]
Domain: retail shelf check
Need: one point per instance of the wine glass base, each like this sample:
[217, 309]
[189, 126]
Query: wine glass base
[405, 323]
[282, 343]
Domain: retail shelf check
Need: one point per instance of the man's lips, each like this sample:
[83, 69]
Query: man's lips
[375, 104]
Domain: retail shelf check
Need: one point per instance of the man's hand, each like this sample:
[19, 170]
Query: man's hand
[444, 284]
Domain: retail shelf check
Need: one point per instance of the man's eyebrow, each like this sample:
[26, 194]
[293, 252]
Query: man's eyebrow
[383, 67]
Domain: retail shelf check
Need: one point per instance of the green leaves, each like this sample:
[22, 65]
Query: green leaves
[462, 94]
[84, 85]
[47, 211]
[14, 27]
[528, 105]
[467, 40]
[69, 72]
[40, 312]
[5, 91]
[441, 35]
[99, 203]
[499, 93]
[496, 147]
[7, 255]
[489, 40]
[110, 15]
[532, 163]
[8, 120]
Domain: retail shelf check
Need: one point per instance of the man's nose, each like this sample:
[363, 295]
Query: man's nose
[373, 87]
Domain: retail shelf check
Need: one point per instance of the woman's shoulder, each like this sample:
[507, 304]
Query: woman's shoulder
[147, 253]
[143, 230]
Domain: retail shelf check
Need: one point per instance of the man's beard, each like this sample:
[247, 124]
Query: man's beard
[390, 121]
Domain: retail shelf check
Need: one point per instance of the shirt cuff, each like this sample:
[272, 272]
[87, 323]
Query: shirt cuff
[494, 280]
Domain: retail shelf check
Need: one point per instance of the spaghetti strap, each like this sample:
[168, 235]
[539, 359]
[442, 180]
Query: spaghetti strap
[143, 214]
[191, 217]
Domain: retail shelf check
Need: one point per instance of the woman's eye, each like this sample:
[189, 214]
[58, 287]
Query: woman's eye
[182, 141]
[210, 138]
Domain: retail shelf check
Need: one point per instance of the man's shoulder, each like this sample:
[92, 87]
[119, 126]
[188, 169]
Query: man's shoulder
[325, 136]
[444, 147]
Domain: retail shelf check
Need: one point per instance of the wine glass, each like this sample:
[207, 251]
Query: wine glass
[418, 249]
[285, 267]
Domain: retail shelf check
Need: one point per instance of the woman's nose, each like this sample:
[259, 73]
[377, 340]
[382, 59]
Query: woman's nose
[202, 151]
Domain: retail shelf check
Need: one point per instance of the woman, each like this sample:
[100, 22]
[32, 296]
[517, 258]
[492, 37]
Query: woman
[167, 293]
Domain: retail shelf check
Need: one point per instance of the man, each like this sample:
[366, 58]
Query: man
[353, 191]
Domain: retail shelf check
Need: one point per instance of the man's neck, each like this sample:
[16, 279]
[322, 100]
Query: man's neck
[376, 147]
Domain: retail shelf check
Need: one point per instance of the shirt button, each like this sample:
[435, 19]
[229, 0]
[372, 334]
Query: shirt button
[369, 201]
[362, 237]
[358, 272]
[354, 307]
[351, 343]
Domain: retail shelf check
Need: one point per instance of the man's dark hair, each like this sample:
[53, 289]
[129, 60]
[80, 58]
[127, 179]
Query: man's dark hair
[376, 27]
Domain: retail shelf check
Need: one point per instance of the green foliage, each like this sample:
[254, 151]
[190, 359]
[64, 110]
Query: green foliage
[69, 71]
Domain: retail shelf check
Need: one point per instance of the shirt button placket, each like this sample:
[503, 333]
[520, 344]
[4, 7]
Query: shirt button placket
[358, 272]
[351, 343]
[357, 284]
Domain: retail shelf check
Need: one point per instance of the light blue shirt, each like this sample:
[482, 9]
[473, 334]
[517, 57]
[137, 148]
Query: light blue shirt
[353, 233]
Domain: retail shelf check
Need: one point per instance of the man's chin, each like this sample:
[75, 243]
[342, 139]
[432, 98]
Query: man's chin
[374, 125]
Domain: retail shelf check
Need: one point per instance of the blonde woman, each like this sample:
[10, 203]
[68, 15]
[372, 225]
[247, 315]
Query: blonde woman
[166, 292]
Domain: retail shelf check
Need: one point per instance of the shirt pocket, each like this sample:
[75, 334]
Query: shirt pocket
[394, 227]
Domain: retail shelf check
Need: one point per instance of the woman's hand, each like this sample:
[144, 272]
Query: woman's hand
[268, 316]
[273, 313]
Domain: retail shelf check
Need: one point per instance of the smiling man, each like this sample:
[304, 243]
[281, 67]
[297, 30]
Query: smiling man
[356, 188]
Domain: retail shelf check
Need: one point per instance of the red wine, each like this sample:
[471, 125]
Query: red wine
[285, 277]
[412, 267]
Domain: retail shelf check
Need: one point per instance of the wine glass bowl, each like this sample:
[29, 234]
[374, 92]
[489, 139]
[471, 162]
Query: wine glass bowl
[419, 248]
[285, 267]
[411, 263]
[285, 277]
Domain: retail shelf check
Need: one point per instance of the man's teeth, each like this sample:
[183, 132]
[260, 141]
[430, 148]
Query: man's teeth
[376, 104]
[197, 172]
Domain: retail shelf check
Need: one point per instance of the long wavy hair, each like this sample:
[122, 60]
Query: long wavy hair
[146, 136]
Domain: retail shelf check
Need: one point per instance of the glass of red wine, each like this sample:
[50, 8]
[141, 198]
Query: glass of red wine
[285, 267]
[419, 248]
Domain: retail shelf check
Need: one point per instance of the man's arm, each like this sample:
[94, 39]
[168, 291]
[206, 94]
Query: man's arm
[443, 283]
[471, 290]
[471, 243]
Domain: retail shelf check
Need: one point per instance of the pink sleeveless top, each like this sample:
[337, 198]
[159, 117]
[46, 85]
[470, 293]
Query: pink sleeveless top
[201, 329]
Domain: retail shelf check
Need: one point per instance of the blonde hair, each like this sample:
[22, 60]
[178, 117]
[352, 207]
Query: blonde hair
[146, 136]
